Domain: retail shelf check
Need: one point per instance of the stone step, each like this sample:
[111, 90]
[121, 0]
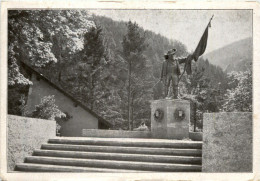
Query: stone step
[131, 150]
[29, 167]
[112, 164]
[119, 156]
[133, 142]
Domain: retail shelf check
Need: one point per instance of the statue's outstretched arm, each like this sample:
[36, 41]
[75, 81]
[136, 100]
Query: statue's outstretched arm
[181, 59]
[184, 59]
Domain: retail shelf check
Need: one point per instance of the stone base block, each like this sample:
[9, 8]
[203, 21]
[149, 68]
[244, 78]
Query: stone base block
[170, 119]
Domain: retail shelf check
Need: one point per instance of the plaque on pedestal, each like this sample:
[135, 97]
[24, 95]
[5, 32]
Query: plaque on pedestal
[170, 118]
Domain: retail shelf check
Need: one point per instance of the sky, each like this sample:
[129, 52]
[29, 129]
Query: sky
[188, 26]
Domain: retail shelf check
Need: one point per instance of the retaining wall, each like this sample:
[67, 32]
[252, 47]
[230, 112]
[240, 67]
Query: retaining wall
[25, 135]
[115, 133]
[227, 142]
[195, 136]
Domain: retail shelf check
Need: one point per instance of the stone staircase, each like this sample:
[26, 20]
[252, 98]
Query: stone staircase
[114, 155]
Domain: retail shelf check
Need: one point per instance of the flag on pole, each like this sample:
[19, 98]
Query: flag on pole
[200, 49]
[202, 45]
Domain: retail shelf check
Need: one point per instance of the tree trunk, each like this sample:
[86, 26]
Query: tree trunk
[59, 76]
[132, 112]
[195, 116]
[129, 99]
[92, 93]
[60, 59]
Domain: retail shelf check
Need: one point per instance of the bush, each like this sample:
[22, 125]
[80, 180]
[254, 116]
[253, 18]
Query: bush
[47, 109]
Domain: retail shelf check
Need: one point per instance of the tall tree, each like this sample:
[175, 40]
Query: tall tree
[94, 60]
[134, 46]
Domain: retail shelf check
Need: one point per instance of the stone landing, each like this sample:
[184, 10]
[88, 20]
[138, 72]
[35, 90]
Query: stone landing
[170, 118]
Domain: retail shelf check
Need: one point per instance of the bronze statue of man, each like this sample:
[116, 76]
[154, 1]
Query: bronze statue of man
[171, 69]
[170, 74]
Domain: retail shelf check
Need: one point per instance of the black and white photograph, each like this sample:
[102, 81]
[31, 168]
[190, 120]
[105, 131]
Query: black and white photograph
[110, 90]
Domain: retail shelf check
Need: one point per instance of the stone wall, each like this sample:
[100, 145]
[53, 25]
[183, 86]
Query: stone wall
[227, 142]
[25, 135]
[115, 133]
[195, 136]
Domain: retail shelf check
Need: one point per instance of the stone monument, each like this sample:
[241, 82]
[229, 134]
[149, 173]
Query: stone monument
[170, 118]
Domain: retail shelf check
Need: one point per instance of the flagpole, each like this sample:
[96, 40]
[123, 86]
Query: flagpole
[210, 19]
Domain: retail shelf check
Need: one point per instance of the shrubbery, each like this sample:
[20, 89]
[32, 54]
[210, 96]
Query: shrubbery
[47, 109]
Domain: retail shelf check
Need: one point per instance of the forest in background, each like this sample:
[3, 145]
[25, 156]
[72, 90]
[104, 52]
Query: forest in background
[111, 67]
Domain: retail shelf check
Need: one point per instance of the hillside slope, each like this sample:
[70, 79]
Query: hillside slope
[233, 57]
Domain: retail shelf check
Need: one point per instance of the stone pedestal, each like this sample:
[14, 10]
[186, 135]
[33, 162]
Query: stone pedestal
[170, 118]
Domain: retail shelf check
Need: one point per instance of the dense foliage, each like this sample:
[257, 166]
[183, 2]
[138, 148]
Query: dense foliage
[91, 65]
[47, 109]
[239, 97]
[41, 37]
[112, 67]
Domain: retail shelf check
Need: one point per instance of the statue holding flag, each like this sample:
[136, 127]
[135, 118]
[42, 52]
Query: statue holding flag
[171, 74]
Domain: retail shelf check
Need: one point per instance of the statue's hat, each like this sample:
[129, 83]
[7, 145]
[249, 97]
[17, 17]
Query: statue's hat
[170, 52]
